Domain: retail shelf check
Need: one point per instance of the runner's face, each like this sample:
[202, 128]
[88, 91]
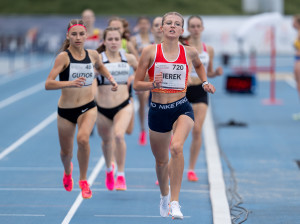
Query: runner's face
[144, 26]
[113, 41]
[172, 26]
[117, 24]
[195, 27]
[77, 36]
[156, 27]
[88, 18]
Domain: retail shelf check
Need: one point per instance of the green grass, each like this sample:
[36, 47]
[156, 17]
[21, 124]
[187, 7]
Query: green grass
[133, 7]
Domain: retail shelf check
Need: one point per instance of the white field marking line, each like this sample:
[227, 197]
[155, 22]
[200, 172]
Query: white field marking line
[31, 215]
[22, 94]
[96, 189]
[219, 202]
[28, 135]
[79, 198]
[291, 82]
[135, 216]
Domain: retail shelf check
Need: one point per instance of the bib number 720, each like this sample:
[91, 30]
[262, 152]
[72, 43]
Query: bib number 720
[178, 67]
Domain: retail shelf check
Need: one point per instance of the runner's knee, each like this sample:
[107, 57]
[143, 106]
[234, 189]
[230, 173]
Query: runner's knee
[82, 141]
[176, 149]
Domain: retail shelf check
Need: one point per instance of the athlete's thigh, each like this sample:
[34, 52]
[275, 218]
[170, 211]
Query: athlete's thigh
[122, 118]
[86, 121]
[104, 126]
[66, 133]
[199, 114]
[160, 144]
[184, 124]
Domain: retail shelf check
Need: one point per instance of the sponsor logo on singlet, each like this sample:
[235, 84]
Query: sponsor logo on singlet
[174, 75]
[85, 70]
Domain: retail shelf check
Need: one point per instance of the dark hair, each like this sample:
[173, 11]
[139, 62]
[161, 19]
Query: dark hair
[102, 47]
[192, 17]
[66, 42]
[126, 33]
[172, 13]
[184, 40]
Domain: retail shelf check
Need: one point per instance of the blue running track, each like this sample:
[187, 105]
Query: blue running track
[258, 162]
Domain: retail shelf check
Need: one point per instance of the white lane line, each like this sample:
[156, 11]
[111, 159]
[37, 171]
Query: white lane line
[219, 202]
[291, 82]
[22, 94]
[31, 215]
[28, 135]
[79, 198]
[134, 216]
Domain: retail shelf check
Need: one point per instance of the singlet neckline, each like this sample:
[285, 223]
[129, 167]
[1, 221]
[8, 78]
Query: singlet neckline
[105, 58]
[162, 50]
[86, 55]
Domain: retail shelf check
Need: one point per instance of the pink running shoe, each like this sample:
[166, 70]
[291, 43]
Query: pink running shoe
[121, 184]
[68, 180]
[191, 175]
[156, 182]
[85, 189]
[143, 138]
[109, 180]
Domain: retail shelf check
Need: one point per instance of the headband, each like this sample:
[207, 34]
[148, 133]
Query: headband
[76, 25]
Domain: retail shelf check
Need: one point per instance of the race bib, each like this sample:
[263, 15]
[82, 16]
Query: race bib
[204, 58]
[120, 72]
[174, 75]
[82, 70]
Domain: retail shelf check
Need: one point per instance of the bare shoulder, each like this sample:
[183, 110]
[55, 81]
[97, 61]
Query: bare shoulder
[150, 49]
[191, 51]
[92, 53]
[210, 49]
[130, 57]
[62, 57]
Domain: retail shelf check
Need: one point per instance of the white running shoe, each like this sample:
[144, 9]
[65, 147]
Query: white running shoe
[175, 210]
[164, 204]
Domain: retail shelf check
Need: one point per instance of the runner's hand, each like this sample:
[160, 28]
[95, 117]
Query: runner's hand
[209, 88]
[114, 85]
[219, 71]
[79, 82]
[158, 79]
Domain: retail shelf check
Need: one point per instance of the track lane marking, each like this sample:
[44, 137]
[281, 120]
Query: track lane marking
[217, 188]
[79, 198]
[29, 135]
[22, 94]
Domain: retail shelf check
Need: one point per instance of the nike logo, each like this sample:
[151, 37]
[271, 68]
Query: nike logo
[84, 110]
